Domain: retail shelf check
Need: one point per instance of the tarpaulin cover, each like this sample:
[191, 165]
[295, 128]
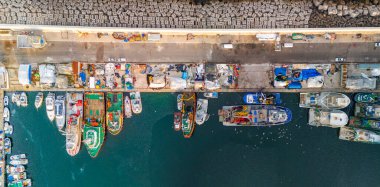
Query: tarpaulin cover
[25, 74]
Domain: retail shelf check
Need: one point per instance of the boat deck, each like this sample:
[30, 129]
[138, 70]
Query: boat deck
[114, 102]
[94, 108]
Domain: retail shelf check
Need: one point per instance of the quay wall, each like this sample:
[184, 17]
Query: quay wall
[213, 14]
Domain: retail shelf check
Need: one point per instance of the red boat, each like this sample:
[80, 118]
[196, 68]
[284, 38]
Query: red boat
[177, 121]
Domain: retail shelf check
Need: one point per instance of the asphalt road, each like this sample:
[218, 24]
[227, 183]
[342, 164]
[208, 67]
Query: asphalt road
[56, 52]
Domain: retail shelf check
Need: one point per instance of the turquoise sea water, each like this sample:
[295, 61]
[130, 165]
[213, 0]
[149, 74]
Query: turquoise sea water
[148, 152]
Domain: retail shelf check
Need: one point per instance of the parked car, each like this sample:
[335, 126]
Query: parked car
[339, 59]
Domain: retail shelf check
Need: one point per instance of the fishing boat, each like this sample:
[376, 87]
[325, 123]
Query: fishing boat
[177, 121]
[328, 118]
[359, 135]
[367, 110]
[127, 107]
[8, 128]
[254, 115]
[114, 112]
[136, 102]
[16, 98]
[201, 115]
[7, 146]
[324, 100]
[179, 101]
[22, 161]
[363, 123]
[21, 183]
[94, 123]
[188, 114]
[6, 114]
[210, 95]
[6, 100]
[15, 169]
[73, 129]
[50, 109]
[39, 100]
[60, 112]
[16, 176]
[261, 98]
[367, 98]
[18, 157]
[23, 99]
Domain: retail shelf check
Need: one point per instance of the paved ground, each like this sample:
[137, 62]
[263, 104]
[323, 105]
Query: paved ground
[255, 53]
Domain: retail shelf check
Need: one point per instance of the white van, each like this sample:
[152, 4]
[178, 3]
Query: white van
[228, 46]
[288, 45]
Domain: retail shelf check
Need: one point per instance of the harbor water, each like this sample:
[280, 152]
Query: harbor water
[148, 152]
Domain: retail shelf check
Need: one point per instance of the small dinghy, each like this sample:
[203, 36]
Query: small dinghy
[179, 101]
[127, 107]
[39, 100]
[6, 100]
[8, 128]
[50, 100]
[60, 112]
[23, 99]
[6, 114]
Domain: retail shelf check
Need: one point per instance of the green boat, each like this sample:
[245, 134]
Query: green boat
[367, 98]
[114, 115]
[94, 124]
[363, 123]
[188, 114]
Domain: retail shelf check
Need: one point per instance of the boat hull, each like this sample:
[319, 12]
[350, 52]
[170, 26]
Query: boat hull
[254, 115]
[39, 100]
[188, 114]
[94, 123]
[127, 107]
[367, 98]
[359, 135]
[74, 117]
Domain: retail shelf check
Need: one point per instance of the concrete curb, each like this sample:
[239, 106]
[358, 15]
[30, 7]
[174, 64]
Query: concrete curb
[58, 28]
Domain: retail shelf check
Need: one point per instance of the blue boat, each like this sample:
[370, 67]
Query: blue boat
[261, 98]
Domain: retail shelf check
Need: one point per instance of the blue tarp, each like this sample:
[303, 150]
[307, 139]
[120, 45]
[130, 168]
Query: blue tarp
[82, 76]
[308, 73]
[295, 85]
[280, 71]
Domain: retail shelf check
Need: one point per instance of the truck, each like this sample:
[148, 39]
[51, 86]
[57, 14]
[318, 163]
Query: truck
[30, 41]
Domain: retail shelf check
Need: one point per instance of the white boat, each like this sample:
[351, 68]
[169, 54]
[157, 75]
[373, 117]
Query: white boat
[23, 99]
[16, 98]
[179, 101]
[201, 113]
[328, 118]
[6, 100]
[15, 169]
[39, 100]
[60, 112]
[17, 157]
[127, 107]
[324, 100]
[210, 94]
[8, 128]
[359, 135]
[6, 114]
[74, 117]
[136, 102]
[22, 161]
[50, 99]
[16, 177]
